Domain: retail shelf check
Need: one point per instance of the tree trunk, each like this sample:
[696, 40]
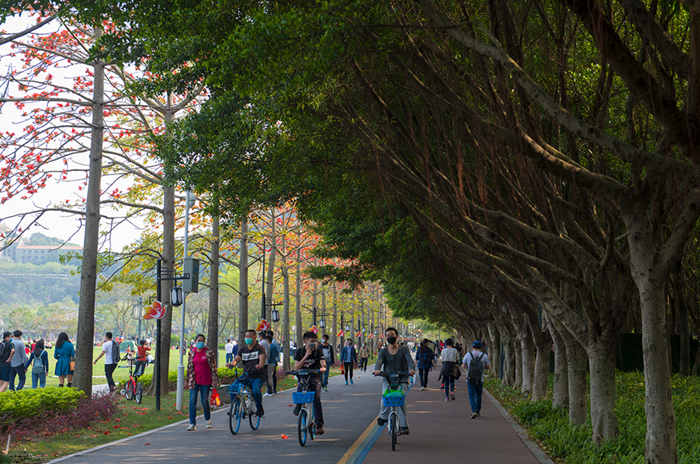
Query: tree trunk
[297, 298]
[576, 360]
[541, 377]
[285, 288]
[660, 444]
[213, 320]
[560, 395]
[270, 279]
[88, 273]
[602, 391]
[517, 351]
[243, 284]
[334, 330]
[681, 320]
[495, 348]
[528, 360]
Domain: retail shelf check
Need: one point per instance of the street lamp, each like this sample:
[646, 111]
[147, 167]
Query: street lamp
[347, 327]
[137, 313]
[322, 324]
[275, 315]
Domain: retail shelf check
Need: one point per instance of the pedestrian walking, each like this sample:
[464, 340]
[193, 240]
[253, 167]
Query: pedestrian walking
[7, 351]
[229, 350]
[450, 368]
[364, 356]
[39, 359]
[262, 340]
[425, 362]
[475, 362]
[110, 350]
[64, 353]
[329, 356]
[349, 358]
[201, 378]
[17, 362]
[272, 364]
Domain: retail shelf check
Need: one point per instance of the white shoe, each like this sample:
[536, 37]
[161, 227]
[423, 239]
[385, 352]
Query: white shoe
[267, 394]
[191, 428]
[422, 388]
[209, 424]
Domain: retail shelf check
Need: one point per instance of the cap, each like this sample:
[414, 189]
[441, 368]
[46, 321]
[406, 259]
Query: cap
[476, 344]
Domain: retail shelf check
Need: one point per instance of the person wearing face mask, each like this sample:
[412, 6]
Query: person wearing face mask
[201, 378]
[311, 357]
[394, 359]
[349, 358]
[253, 357]
[329, 357]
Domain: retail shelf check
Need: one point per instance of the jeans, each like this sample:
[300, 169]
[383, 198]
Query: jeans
[255, 385]
[39, 379]
[475, 391]
[384, 412]
[109, 369]
[325, 375]
[449, 385]
[139, 368]
[20, 372]
[271, 378]
[204, 389]
[363, 364]
[229, 358]
[314, 386]
[348, 370]
[423, 376]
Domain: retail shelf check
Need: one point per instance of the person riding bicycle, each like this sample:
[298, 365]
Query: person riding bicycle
[252, 354]
[394, 359]
[311, 357]
[141, 359]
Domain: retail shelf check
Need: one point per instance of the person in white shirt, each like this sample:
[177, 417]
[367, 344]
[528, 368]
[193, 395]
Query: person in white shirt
[475, 378]
[229, 350]
[110, 365]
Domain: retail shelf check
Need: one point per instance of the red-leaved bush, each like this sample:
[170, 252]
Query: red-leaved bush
[87, 411]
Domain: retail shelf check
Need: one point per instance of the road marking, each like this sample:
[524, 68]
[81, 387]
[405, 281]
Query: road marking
[367, 433]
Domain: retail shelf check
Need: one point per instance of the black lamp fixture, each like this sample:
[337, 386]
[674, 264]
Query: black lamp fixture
[364, 329]
[176, 296]
[275, 315]
[322, 324]
[347, 327]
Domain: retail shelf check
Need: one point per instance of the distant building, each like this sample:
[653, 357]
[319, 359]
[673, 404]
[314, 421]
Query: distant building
[40, 254]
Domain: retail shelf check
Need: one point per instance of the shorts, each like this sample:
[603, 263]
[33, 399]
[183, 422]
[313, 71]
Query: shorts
[5, 373]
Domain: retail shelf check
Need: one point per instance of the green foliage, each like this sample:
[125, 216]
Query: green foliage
[27, 403]
[29, 284]
[571, 444]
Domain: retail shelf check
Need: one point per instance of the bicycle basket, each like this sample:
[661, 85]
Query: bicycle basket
[393, 401]
[235, 388]
[303, 397]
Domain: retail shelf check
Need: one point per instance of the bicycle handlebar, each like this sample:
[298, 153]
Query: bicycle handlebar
[397, 374]
[303, 372]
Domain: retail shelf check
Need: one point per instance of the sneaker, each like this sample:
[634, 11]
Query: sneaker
[452, 396]
[442, 386]
[320, 431]
[422, 388]
[267, 394]
[478, 414]
[346, 382]
[260, 412]
[405, 431]
[380, 421]
[295, 412]
[325, 389]
[474, 415]
[447, 399]
[191, 428]
[209, 424]
[351, 382]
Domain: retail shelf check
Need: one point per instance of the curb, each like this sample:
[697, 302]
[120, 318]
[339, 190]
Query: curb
[531, 445]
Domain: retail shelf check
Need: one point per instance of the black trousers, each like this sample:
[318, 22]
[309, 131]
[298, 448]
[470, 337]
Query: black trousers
[423, 375]
[348, 369]
[109, 370]
[363, 364]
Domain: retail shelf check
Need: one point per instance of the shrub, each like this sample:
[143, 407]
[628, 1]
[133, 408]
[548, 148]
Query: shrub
[25, 404]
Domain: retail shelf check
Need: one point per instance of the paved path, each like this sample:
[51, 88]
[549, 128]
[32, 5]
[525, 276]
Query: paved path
[440, 431]
[348, 410]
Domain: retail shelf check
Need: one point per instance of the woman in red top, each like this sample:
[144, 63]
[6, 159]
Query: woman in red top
[141, 361]
[201, 378]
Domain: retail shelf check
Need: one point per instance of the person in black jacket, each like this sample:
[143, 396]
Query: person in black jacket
[329, 356]
[425, 362]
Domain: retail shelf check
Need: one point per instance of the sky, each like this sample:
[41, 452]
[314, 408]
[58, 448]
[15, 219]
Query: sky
[62, 225]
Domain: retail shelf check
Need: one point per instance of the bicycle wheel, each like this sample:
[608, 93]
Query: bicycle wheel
[129, 390]
[253, 417]
[234, 415]
[394, 418]
[302, 427]
[139, 392]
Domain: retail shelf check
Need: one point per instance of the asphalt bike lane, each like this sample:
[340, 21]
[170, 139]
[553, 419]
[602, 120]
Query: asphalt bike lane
[347, 411]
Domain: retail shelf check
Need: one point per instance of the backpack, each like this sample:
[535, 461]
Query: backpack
[476, 369]
[38, 366]
[116, 356]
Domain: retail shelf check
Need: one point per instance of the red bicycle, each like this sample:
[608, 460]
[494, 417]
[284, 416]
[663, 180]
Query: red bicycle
[133, 388]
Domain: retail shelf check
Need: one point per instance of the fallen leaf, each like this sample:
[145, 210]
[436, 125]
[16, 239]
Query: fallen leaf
[284, 437]
[146, 444]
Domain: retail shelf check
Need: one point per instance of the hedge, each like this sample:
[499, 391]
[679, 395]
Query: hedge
[28, 403]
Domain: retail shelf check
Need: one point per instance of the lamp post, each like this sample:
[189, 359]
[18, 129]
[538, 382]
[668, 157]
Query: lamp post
[189, 201]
